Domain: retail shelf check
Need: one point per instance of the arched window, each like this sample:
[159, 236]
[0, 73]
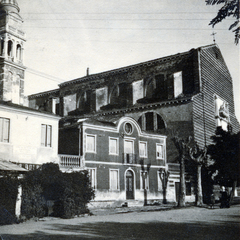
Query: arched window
[150, 88]
[10, 45]
[120, 95]
[83, 103]
[2, 47]
[114, 95]
[19, 52]
[151, 121]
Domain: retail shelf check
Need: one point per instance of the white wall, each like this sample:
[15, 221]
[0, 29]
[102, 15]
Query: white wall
[25, 136]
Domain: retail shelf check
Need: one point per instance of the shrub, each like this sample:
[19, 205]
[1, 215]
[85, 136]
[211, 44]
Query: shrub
[70, 192]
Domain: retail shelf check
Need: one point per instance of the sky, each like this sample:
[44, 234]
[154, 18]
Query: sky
[65, 37]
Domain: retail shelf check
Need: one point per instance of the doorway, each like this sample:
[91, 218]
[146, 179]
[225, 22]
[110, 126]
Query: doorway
[129, 185]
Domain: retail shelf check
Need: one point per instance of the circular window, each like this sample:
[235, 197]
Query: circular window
[128, 128]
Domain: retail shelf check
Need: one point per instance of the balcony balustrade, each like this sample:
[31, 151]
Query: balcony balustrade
[71, 161]
[129, 158]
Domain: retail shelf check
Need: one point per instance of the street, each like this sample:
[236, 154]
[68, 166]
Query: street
[188, 223]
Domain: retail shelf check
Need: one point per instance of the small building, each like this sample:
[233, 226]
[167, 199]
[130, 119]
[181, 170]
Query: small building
[27, 137]
[121, 159]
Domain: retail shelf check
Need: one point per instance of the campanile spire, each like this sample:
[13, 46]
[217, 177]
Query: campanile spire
[12, 39]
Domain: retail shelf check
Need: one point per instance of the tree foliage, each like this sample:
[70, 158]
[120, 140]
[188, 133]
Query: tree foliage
[9, 191]
[70, 192]
[226, 156]
[230, 8]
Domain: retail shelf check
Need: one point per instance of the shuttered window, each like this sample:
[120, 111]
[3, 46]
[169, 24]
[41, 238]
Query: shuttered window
[4, 129]
[113, 146]
[114, 180]
[91, 143]
[159, 151]
[46, 135]
[143, 149]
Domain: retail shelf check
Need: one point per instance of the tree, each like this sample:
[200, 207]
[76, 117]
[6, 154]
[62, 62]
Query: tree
[198, 156]
[145, 174]
[226, 156]
[229, 9]
[164, 179]
[182, 147]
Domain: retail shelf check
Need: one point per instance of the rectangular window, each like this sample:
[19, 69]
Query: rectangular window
[143, 149]
[159, 151]
[93, 177]
[91, 143]
[113, 146]
[4, 129]
[129, 146]
[144, 176]
[46, 135]
[178, 85]
[114, 180]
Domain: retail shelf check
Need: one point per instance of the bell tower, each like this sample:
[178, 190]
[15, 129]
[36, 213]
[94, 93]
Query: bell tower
[12, 39]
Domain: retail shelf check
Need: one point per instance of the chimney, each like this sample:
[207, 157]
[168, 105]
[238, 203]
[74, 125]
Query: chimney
[87, 71]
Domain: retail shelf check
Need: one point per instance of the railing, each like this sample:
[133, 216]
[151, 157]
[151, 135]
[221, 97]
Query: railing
[70, 161]
[129, 158]
[28, 166]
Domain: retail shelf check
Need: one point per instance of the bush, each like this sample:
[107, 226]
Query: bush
[69, 191]
[9, 191]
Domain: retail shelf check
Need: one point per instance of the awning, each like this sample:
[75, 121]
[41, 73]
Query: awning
[11, 167]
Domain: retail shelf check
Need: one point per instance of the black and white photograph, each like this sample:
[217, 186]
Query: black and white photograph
[119, 119]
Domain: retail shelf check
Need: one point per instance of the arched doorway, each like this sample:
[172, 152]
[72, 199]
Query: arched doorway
[129, 185]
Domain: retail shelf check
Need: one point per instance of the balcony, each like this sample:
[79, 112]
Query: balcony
[129, 158]
[70, 161]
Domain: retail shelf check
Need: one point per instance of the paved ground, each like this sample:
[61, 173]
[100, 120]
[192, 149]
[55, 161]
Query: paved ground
[142, 223]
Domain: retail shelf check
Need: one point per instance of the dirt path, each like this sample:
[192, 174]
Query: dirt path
[189, 223]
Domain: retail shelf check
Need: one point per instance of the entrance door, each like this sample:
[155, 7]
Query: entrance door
[129, 185]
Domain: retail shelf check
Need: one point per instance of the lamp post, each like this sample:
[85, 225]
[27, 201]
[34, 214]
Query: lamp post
[164, 179]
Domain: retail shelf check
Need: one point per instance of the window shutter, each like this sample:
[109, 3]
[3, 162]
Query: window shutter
[43, 135]
[49, 136]
[6, 130]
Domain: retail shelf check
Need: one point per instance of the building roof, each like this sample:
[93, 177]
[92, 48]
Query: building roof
[53, 92]
[7, 166]
[127, 68]
[21, 107]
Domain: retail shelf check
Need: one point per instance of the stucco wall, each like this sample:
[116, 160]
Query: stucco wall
[24, 144]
